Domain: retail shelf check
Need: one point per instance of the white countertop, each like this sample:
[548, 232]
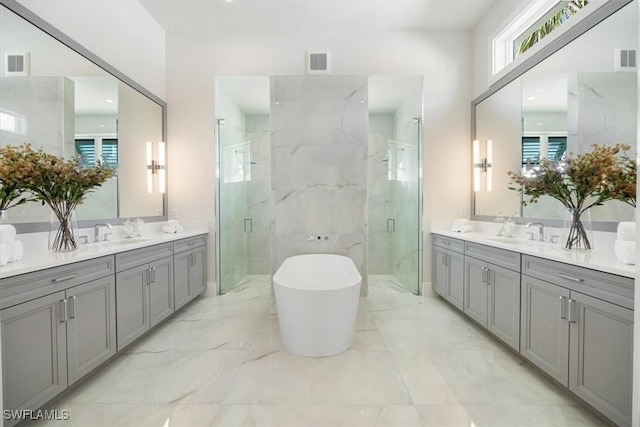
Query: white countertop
[34, 260]
[601, 259]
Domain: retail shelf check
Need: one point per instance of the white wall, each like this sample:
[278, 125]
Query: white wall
[120, 32]
[442, 57]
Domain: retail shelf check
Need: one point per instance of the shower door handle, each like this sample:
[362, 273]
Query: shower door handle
[248, 225]
[391, 225]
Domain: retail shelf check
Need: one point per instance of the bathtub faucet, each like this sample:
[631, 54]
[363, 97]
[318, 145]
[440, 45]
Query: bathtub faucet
[311, 238]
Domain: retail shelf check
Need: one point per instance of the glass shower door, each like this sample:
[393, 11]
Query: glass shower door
[404, 205]
[234, 218]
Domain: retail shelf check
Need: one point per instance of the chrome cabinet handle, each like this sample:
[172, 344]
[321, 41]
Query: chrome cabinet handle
[571, 313]
[152, 273]
[64, 278]
[193, 259]
[563, 308]
[573, 279]
[148, 276]
[72, 307]
[191, 243]
[446, 242]
[484, 274]
[488, 276]
[63, 310]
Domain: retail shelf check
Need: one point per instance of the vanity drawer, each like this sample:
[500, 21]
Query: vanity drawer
[136, 257]
[605, 286]
[18, 289]
[190, 243]
[497, 256]
[448, 243]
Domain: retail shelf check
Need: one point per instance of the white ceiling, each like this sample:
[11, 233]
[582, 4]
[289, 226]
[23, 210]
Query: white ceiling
[314, 15]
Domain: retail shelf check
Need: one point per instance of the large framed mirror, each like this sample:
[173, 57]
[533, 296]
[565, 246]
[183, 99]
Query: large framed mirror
[568, 96]
[68, 101]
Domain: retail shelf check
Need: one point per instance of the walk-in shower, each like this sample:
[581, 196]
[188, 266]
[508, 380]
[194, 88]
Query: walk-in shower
[331, 156]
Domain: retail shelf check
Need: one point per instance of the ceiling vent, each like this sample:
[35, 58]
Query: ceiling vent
[318, 62]
[626, 60]
[16, 64]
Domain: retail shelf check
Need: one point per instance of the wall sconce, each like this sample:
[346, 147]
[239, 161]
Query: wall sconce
[482, 165]
[156, 168]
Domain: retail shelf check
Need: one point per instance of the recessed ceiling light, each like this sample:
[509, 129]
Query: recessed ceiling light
[102, 126]
[228, 1]
[540, 124]
[531, 98]
[109, 101]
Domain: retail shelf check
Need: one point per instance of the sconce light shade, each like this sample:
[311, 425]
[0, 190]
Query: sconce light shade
[488, 164]
[156, 167]
[476, 165]
[149, 167]
[162, 171]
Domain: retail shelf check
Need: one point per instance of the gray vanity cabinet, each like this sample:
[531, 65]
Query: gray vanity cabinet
[91, 326]
[144, 290]
[492, 290]
[448, 268]
[34, 352]
[582, 341]
[51, 341]
[189, 269]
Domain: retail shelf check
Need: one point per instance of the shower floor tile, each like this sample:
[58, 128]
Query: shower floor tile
[415, 361]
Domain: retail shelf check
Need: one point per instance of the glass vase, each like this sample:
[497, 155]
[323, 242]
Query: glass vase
[576, 232]
[4, 218]
[63, 231]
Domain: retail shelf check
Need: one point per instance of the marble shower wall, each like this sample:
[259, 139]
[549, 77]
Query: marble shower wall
[319, 167]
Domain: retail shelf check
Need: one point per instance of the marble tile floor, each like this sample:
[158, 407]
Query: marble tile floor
[415, 362]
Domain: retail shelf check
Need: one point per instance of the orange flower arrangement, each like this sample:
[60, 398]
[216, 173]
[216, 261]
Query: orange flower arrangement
[61, 184]
[579, 183]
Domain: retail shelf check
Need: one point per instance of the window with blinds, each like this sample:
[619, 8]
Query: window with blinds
[553, 148]
[90, 149]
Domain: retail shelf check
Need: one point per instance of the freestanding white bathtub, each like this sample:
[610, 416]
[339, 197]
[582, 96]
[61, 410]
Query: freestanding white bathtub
[317, 300]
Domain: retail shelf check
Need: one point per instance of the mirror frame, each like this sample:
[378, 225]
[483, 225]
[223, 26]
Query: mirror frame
[581, 27]
[38, 22]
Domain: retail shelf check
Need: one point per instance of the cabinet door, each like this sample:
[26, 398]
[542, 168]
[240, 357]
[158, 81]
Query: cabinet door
[602, 356]
[132, 304]
[182, 288]
[455, 285]
[504, 305]
[475, 293]
[544, 334]
[91, 328]
[161, 290]
[34, 358]
[199, 271]
[440, 276]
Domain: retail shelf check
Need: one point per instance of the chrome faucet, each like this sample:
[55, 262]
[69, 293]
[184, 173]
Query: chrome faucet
[96, 230]
[540, 230]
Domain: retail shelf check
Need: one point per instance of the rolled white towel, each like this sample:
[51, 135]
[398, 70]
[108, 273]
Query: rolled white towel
[173, 222]
[625, 251]
[17, 251]
[627, 231]
[169, 229]
[5, 254]
[7, 234]
[179, 229]
[461, 221]
[462, 228]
